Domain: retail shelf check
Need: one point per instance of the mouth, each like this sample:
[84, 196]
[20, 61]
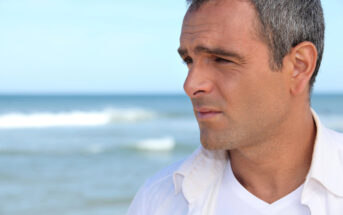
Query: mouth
[206, 113]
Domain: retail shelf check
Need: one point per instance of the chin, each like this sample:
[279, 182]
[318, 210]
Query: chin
[215, 144]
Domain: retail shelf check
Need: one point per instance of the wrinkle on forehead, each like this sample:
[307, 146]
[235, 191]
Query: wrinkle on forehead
[201, 27]
[200, 31]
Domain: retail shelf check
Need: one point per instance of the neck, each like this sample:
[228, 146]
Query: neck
[276, 167]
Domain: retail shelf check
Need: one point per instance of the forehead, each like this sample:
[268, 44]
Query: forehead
[225, 22]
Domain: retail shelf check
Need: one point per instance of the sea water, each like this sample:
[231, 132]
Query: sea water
[87, 155]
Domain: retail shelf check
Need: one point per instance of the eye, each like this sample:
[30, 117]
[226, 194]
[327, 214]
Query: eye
[221, 60]
[187, 60]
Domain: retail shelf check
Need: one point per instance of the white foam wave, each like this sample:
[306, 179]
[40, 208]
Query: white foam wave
[95, 149]
[162, 144]
[73, 118]
[132, 115]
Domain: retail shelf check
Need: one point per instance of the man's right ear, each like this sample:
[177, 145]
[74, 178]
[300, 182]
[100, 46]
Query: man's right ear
[304, 60]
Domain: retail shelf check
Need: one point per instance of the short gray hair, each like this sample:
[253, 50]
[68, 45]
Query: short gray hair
[286, 23]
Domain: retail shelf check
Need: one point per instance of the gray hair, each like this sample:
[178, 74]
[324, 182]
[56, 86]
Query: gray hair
[286, 23]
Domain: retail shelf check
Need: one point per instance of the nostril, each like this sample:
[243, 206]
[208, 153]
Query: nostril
[199, 91]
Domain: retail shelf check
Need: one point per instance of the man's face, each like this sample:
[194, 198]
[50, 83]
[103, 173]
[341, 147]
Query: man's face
[237, 99]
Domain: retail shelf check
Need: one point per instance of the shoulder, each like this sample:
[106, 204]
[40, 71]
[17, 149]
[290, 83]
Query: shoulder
[156, 189]
[163, 177]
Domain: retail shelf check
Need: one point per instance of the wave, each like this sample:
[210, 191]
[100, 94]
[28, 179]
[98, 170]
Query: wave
[165, 144]
[160, 144]
[74, 118]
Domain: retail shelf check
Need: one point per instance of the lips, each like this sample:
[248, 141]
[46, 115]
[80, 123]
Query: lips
[206, 113]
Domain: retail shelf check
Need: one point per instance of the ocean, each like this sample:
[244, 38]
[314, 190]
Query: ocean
[87, 155]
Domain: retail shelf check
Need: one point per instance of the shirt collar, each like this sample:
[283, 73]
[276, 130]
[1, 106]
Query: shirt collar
[205, 167]
[326, 166]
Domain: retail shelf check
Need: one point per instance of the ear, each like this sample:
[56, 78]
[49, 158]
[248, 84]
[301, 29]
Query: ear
[303, 58]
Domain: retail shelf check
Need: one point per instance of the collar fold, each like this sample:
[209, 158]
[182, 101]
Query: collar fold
[327, 166]
[202, 169]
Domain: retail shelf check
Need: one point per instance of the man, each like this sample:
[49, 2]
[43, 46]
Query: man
[252, 65]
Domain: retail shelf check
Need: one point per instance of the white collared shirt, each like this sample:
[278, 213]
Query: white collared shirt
[191, 187]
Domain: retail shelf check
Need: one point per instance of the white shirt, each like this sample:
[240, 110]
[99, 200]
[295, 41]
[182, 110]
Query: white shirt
[234, 199]
[191, 187]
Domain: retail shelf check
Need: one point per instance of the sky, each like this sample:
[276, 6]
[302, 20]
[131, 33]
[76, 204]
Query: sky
[115, 47]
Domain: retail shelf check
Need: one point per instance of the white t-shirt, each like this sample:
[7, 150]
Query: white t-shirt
[234, 199]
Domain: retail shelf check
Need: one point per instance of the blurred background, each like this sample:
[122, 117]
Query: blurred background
[91, 100]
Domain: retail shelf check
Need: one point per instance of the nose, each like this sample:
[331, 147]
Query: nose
[197, 82]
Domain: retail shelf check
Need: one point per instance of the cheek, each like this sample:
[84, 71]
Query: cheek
[235, 89]
[266, 96]
[229, 84]
[248, 95]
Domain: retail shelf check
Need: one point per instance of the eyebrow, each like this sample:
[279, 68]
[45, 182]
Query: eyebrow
[215, 51]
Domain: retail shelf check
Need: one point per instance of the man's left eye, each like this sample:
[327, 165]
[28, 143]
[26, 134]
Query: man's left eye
[222, 60]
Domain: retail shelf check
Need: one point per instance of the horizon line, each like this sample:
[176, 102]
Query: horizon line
[126, 94]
